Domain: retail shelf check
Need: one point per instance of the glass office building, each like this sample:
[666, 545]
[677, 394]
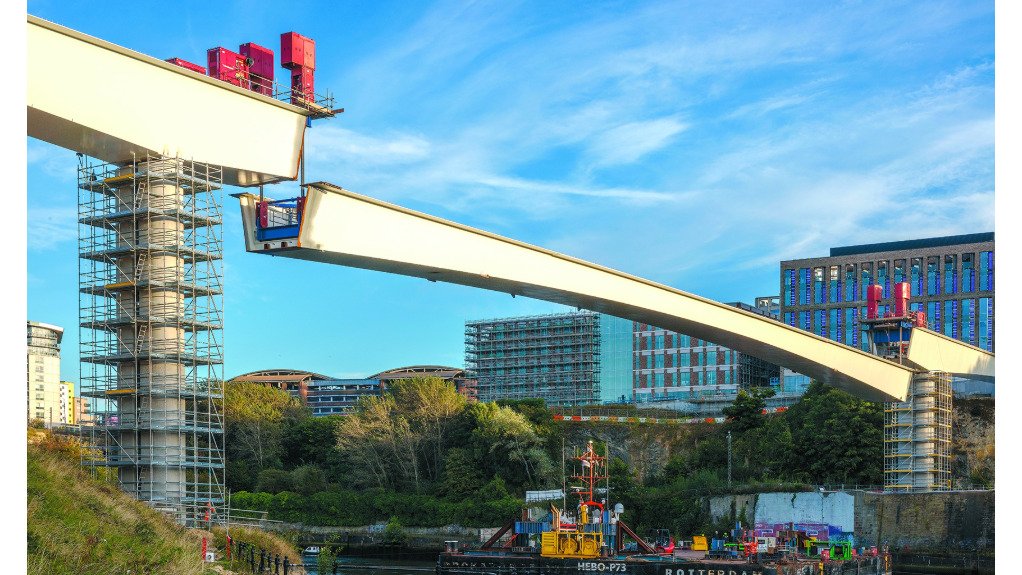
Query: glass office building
[951, 279]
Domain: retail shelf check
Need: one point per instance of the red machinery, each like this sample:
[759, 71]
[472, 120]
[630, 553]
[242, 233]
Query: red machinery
[298, 54]
[261, 67]
[188, 65]
[229, 66]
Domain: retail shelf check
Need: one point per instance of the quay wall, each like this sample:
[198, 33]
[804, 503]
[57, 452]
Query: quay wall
[952, 521]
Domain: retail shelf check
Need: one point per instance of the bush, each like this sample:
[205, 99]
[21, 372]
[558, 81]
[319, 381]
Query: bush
[394, 533]
[274, 480]
[308, 479]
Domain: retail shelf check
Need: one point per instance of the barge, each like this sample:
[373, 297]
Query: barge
[592, 541]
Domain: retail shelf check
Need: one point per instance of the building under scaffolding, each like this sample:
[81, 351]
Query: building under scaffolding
[554, 357]
[151, 284]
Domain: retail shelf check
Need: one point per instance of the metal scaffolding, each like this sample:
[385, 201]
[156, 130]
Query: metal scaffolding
[554, 357]
[151, 315]
[917, 436]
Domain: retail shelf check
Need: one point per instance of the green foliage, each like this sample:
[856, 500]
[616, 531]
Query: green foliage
[419, 455]
[394, 533]
[255, 419]
[327, 558]
[461, 474]
[746, 412]
[274, 480]
[839, 437]
[308, 479]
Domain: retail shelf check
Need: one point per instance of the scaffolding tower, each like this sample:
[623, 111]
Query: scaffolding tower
[150, 321]
[917, 436]
[554, 357]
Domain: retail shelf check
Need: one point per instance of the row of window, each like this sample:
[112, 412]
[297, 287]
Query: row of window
[684, 378]
[933, 275]
[669, 340]
[970, 320]
[685, 359]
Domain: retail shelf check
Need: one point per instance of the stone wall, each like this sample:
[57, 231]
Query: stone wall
[953, 521]
[948, 522]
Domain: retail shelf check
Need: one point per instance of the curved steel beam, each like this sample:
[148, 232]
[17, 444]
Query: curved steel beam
[340, 227]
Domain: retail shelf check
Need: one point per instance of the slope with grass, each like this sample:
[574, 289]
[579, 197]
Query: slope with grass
[79, 524]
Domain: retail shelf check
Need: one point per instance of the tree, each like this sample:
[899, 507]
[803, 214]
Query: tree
[746, 412]
[839, 437]
[307, 480]
[253, 425]
[502, 436]
[274, 481]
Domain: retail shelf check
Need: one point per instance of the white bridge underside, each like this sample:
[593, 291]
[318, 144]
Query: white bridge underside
[115, 104]
[344, 228]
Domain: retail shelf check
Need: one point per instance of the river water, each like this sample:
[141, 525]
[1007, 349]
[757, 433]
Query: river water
[367, 566]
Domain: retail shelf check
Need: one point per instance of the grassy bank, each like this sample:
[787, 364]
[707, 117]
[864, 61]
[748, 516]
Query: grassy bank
[78, 524]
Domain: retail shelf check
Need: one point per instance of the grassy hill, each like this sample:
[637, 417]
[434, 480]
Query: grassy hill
[78, 524]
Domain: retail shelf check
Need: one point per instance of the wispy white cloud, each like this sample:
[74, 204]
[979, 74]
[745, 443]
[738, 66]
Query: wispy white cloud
[627, 143]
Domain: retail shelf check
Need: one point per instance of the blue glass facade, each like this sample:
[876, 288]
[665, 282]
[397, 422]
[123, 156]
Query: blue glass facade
[951, 279]
[615, 359]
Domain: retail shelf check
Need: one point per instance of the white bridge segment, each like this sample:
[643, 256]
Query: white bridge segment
[340, 227]
[932, 351]
[94, 97]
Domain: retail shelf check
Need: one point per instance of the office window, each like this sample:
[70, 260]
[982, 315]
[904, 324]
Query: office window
[686, 378]
[819, 292]
[660, 341]
[658, 380]
[804, 286]
[863, 341]
[659, 361]
[789, 318]
[821, 322]
[711, 357]
[968, 273]
[986, 323]
[865, 278]
[968, 321]
[884, 278]
[686, 359]
[951, 274]
[851, 329]
[899, 271]
[916, 278]
[933, 275]
[851, 286]
[951, 318]
[711, 378]
[986, 271]
[834, 322]
[789, 287]
[805, 322]
[686, 341]
[933, 315]
[834, 287]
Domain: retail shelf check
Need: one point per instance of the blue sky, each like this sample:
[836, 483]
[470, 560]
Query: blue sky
[695, 144]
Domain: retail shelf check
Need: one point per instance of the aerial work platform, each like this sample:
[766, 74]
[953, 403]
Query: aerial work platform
[333, 225]
[115, 104]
